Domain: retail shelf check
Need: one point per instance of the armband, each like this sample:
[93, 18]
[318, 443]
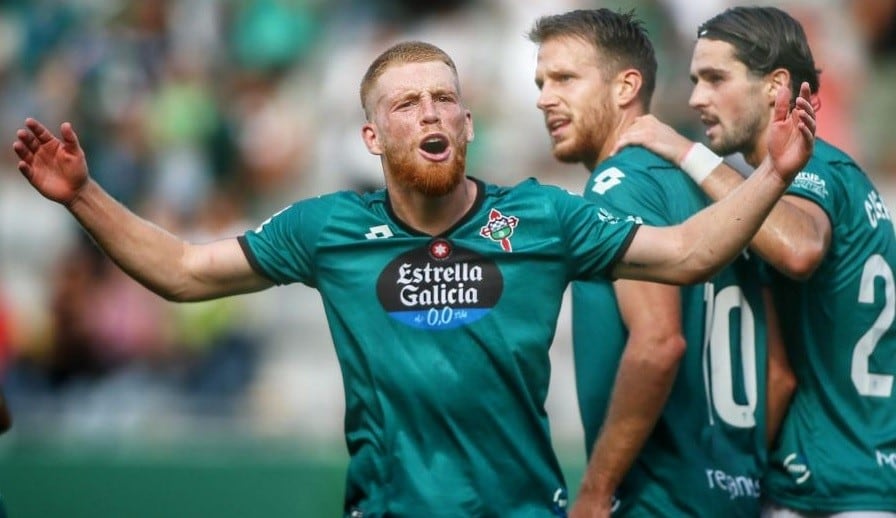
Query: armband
[699, 162]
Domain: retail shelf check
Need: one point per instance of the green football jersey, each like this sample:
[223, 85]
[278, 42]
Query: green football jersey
[707, 454]
[443, 341]
[837, 449]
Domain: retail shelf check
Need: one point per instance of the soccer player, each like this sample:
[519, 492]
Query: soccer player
[442, 292]
[831, 243]
[682, 430]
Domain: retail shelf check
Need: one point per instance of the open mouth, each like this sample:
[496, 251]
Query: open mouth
[435, 145]
[709, 124]
[556, 124]
[709, 121]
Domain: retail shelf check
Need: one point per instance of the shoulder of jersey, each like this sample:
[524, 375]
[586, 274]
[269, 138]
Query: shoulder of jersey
[825, 152]
[632, 158]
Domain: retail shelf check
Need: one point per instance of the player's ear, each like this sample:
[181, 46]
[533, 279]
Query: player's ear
[816, 102]
[777, 78]
[627, 86]
[371, 138]
[470, 133]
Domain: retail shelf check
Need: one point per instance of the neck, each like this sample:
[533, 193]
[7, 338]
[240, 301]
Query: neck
[755, 155]
[758, 149]
[626, 118]
[430, 214]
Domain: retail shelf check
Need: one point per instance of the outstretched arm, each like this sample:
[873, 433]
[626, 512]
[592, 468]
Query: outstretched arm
[167, 265]
[694, 250]
[797, 233]
[647, 370]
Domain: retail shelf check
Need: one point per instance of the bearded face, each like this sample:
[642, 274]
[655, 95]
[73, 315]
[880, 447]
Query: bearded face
[739, 134]
[576, 98]
[411, 170]
[734, 104]
[590, 126]
[419, 127]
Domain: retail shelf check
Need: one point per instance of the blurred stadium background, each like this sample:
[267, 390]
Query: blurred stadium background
[206, 116]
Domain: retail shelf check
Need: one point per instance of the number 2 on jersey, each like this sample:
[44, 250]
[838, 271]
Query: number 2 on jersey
[868, 384]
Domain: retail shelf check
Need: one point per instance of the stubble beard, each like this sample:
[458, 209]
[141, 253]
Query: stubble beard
[588, 136]
[742, 138]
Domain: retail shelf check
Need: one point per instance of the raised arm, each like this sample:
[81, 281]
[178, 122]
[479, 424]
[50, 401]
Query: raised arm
[796, 234]
[164, 263]
[694, 250]
[647, 370]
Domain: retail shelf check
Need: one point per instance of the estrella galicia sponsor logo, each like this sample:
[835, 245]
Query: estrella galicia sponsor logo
[796, 466]
[811, 182]
[499, 228]
[886, 459]
[439, 286]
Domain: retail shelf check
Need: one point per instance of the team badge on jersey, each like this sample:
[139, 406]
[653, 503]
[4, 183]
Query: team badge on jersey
[439, 286]
[499, 228]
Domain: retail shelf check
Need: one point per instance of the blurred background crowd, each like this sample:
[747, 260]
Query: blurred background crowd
[207, 116]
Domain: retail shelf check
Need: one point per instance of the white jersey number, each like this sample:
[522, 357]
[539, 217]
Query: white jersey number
[717, 353]
[868, 384]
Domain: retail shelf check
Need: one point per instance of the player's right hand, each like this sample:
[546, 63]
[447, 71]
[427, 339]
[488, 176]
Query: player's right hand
[55, 167]
[791, 135]
[656, 136]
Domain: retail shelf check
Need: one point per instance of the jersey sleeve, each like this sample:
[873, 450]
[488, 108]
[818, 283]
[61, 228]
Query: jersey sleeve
[629, 193]
[817, 184]
[283, 247]
[596, 239]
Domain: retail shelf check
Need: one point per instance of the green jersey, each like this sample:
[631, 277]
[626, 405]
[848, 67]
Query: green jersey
[443, 341]
[706, 454]
[837, 449]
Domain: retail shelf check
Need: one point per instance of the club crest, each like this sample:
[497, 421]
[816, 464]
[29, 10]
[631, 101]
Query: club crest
[499, 228]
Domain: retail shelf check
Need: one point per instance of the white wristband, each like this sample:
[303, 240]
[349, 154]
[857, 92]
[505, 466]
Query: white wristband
[699, 162]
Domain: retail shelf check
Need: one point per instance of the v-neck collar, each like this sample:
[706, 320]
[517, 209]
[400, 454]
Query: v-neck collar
[477, 203]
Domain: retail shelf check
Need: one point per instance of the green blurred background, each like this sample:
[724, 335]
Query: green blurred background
[229, 479]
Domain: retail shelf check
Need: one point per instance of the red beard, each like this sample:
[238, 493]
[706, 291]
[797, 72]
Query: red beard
[430, 178]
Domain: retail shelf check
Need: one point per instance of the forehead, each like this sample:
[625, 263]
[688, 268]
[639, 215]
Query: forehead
[565, 52]
[715, 55]
[401, 79]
